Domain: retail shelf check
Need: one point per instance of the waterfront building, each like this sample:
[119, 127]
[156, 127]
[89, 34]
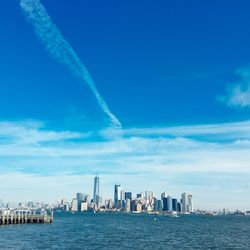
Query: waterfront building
[84, 206]
[119, 197]
[174, 205]
[190, 203]
[127, 206]
[164, 204]
[96, 193]
[187, 203]
[169, 203]
[184, 203]
[116, 195]
[91, 206]
[158, 205]
[138, 207]
[122, 201]
[79, 197]
[178, 206]
[133, 205]
[74, 205]
[154, 202]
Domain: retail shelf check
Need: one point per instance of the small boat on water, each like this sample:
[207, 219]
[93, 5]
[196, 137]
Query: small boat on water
[136, 212]
[173, 214]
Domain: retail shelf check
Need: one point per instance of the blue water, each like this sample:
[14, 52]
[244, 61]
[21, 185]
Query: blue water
[129, 231]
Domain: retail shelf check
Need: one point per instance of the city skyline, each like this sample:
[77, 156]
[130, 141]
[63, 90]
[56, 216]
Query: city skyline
[123, 201]
[120, 195]
[126, 201]
[153, 95]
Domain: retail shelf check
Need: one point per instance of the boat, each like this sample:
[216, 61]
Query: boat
[174, 214]
[136, 212]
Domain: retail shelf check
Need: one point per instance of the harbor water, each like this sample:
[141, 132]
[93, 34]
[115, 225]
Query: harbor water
[129, 231]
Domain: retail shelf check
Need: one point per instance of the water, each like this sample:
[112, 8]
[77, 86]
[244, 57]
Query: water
[129, 231]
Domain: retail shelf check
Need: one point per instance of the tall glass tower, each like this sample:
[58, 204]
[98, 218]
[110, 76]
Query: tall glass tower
[118, 196]
[116, 193]
[96, 190]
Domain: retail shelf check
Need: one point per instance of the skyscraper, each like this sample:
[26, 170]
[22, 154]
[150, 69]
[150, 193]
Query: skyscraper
[184, 202]
[190, 203]
[164, 204]
[96, 194]
[178, 206]
[158, 205]
[175, 205]
[118, 197]
[127, 205]
[169, 203]
[79, 198]
[187, 203]
[128, 195]
[164, 195]
[74, 205]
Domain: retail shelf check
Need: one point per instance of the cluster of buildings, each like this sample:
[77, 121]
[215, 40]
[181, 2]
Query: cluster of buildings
[146, 201]
[127, 202]
[34, 205]
[123, 201]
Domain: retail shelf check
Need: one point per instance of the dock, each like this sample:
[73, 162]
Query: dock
[8, 217]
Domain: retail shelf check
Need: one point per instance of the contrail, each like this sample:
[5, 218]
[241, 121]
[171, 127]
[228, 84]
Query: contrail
[60, 49]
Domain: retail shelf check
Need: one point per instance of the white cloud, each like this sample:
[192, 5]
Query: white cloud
[32, 132]
[238, 94]
[221, 131]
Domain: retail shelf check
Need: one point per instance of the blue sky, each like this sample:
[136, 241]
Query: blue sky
[175, 74]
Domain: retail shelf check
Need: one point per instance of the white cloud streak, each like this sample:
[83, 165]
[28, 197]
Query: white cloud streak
[61, 50]
[32, 132]
[221, 131]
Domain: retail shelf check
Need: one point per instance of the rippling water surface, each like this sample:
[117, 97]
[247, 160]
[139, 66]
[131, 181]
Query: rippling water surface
[129, 231]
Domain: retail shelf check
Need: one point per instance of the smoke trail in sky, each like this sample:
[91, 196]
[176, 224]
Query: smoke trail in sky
[60, 49]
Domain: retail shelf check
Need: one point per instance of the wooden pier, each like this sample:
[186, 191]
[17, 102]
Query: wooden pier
[21, 217]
